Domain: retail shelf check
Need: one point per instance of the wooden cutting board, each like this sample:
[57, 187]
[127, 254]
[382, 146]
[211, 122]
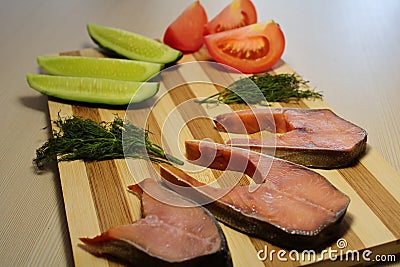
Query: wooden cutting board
[96, 198]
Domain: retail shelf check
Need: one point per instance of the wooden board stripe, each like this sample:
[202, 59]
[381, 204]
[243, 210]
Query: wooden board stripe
[76, 189]
[379, 167]
[374, 189]
[380, 201]
[357, 205]
[192, 116]
[72, 53]
[104, 181]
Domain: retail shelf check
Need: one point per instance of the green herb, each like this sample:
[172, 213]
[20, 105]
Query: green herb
[88, 140]
[262, 88]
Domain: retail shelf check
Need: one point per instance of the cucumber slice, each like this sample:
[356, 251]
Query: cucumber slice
[132, 45]
[92, 90]
[109, 68]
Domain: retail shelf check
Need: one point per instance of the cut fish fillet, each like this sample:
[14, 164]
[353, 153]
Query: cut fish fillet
[292, 206]
[173, 231]
[312, 137]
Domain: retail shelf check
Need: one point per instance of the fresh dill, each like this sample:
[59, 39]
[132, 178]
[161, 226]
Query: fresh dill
[262, 88]
[83, 139]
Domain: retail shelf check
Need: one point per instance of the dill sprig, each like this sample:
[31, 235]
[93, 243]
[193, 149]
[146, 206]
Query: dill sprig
[262, 88]
[85, 139]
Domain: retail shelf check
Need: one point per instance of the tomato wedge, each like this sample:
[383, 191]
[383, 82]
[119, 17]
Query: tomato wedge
[250, 49]
[237, 14]
[186, 32]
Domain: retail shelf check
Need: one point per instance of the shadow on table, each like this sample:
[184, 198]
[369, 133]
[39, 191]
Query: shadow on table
[37, 102]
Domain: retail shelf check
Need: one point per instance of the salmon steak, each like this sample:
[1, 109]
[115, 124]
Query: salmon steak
[291, 206]
[311, 137]
[173, 232]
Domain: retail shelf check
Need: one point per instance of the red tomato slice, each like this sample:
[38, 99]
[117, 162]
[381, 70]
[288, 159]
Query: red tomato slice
[237, 14]
[250, 49]
[186, 32]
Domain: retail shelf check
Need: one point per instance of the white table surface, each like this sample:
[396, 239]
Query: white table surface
[350, 50]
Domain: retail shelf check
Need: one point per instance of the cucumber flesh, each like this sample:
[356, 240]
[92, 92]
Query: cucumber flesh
[132, 45]
[109, 68]
[92, 90]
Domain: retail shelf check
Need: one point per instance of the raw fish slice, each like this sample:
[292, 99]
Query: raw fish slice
[172, 232]
[251, 121]
[268, 213]
[312, 137]
[285, 176]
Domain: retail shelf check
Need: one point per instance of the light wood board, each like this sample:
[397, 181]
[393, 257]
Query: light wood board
[96, 198]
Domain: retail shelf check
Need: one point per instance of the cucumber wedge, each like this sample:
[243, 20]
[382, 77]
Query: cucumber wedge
[109, 68]
[132, 45]
[92, 90]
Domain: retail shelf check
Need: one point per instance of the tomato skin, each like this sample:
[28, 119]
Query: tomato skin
[250, 49]
[237, 14]
[185, 33]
